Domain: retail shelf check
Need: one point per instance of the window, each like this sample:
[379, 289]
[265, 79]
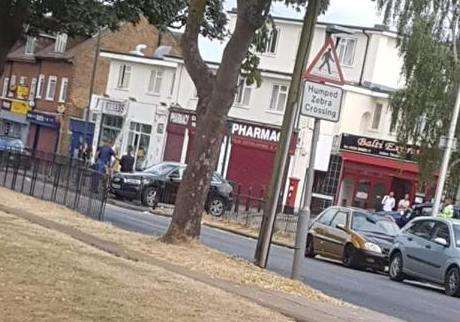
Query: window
[63, 92]
[124, 76]
[441, 230]
[278, 98]
[61, 43]
[422, 228]
[171, 90]
[272, 41]
[339, 219]
[40, 85]
[243, 92]
[111, 127]
[457, 235]
[30, 45]
[139, 139]
[377, 116]
[346, 51]
[156, 77]
[51, 88]
[33, 86]
[6, 80]
[327, 216]
[12, 84]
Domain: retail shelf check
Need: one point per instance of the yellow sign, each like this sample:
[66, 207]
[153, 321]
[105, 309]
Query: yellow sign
[22, 92]
[19, 107]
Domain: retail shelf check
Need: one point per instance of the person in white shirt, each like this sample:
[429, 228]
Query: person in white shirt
[404, 204]
[389, 202]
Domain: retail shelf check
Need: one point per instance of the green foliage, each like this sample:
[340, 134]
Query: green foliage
[423, 109]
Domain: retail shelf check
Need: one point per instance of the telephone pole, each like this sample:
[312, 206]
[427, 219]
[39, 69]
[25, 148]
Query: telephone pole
[282, 151]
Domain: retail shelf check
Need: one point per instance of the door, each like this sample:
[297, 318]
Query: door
[337, 237]
[139, 139]
[319, 229]
[417, 240]
[438, 254]
[400, 187]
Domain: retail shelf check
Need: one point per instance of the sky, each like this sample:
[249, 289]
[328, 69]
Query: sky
[350, 12]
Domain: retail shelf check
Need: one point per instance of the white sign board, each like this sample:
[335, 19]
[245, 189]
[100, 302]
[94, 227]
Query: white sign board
[323, 152]
[322, 101]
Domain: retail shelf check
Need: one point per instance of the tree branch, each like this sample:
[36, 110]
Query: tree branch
[199, 72]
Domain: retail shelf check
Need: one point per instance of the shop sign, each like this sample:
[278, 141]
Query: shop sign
[377, 147]
[256, 132]
[112, 107]
[179, 118]
[20, 107]
[42, 119]
[22, 92]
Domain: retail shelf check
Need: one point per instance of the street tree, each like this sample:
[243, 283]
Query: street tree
[428, 42]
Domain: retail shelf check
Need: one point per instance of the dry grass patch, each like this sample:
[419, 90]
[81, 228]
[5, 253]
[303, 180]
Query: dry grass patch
[48, 276]
[194, 257]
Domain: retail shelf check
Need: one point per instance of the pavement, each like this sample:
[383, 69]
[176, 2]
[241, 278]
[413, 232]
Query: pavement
[407, 301]
[294, 307]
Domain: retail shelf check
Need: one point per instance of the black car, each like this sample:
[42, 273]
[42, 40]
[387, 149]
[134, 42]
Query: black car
[160, 183]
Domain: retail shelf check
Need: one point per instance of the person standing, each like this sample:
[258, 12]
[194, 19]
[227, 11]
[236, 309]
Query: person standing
[389, 202]
[104, 158]
[404, 204]
[127, 161]
[448, 210]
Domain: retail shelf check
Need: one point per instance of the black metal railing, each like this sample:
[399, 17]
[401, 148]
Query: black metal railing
[68, 182]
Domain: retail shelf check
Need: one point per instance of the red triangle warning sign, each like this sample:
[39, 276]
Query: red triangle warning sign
[326, 66]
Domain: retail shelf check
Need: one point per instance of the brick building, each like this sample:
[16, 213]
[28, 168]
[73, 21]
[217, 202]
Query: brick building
[45, 86]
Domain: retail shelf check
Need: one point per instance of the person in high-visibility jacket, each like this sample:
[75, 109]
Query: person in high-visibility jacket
[448, 210]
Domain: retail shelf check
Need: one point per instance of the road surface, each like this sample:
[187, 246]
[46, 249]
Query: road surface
[408, 301]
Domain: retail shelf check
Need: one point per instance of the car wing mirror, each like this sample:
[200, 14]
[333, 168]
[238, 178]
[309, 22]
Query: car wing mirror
[440, 241]
[341, 227]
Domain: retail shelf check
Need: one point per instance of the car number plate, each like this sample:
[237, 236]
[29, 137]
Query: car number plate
[116, 186]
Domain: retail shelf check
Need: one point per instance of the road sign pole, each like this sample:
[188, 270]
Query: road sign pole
[305, 209]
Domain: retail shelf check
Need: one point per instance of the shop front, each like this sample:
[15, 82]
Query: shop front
[13, 125]
[371, 168]
[247, 152]
[43, 134]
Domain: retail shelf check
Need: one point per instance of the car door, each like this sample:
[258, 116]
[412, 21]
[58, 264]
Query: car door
[172, 183]
[438, 254]
[320, 229]
[337, 235]
[416, 241]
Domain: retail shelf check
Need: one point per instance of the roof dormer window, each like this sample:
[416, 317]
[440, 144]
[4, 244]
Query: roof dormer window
[61, 43]
[30, 45]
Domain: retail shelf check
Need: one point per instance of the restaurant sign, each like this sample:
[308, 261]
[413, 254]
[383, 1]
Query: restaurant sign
[383, 148]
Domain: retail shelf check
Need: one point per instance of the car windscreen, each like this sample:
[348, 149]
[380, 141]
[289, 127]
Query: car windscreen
[161, 169]
[457, 234]
[374, 223]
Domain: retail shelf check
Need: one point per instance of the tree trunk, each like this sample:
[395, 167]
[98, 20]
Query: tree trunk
[12, 17]
[216, 95]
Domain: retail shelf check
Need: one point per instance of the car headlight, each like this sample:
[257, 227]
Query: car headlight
[133, 181]
[372, 247]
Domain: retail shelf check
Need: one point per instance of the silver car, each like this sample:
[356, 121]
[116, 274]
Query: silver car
[428, 249]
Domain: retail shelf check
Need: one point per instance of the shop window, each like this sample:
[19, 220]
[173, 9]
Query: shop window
[139, 139]
[40, 86]
[278, 98]
[63, 92]
[156, 78]
[243, 92]
[111, 128]
[346, 192]
[6, 81]
[51, 88]
[346, 51]
[377, 116]
[30, 45]
[124, 76]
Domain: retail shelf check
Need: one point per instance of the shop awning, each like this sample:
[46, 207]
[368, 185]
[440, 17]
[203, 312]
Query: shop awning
[380, 161]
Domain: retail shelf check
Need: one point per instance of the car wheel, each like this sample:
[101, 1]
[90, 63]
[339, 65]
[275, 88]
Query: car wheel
[149, 197]
[349, 256]
[395, 271]
[310, 249]
[216, 206]
[452, 282]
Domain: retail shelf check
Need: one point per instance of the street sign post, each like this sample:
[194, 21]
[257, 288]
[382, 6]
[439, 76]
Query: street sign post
[322, 102]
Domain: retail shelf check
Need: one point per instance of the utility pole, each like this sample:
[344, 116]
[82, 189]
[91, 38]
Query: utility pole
[282, 151]
[447, 155]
